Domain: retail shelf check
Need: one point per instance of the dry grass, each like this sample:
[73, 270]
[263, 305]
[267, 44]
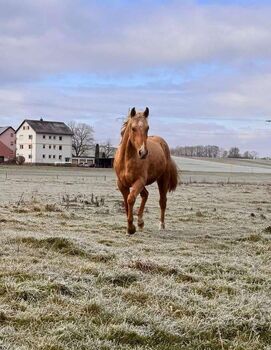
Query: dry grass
[71, 279]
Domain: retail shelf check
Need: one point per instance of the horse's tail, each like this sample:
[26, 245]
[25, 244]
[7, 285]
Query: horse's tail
[173, 176]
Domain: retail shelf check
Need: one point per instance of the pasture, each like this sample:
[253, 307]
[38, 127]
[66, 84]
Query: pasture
[71, 278]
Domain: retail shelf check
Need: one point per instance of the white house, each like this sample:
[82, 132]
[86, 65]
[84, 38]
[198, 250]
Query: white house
[44, 142]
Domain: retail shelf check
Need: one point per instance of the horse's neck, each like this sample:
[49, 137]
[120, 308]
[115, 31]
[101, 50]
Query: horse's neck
[127, 151]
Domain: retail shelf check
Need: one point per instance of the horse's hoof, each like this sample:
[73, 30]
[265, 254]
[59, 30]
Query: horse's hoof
[162, 226]
[131, 230]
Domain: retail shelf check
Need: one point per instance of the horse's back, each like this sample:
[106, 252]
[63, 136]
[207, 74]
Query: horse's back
[158, 158]
[158, 140]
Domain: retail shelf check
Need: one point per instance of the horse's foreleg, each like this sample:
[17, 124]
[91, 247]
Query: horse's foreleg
[135, 190]
[163, 187]
[125, 193]
[144, 196]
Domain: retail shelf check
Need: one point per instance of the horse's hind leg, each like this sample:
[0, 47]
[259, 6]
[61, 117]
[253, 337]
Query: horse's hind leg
[144, 196]
[163, 188]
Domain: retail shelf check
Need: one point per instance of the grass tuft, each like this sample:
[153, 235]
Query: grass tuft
[121, 279]
[58, 244]
[148, 266]
[267, 229]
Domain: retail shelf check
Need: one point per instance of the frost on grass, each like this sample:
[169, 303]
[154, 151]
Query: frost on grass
[72, 279]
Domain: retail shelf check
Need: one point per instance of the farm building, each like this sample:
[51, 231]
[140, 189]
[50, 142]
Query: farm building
[44, 142]
[100, 156]
[7, 143]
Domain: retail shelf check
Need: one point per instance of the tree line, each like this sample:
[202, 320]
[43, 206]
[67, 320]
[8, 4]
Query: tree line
[211, 151]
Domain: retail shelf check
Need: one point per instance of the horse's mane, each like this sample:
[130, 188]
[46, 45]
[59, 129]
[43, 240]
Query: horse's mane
[124, 126]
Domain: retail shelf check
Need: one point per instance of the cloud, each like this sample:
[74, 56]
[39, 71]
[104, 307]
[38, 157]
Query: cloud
[39, 38]
[197, 65]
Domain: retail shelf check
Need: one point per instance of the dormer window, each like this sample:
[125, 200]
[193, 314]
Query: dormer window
[30, 137]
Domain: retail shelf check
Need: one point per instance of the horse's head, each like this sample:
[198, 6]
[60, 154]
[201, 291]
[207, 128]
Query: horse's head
[139, 131]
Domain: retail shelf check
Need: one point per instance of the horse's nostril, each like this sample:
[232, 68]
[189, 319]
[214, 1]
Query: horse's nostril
[140, 152]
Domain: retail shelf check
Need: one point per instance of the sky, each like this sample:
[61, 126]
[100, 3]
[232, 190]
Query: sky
[202, 67]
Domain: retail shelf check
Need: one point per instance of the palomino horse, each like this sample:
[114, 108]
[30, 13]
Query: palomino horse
[141, 160]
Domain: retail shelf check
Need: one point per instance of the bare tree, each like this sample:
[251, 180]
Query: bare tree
[247, 155]
[224, 153]
[82, 139]
[234, 152]
[108, 149]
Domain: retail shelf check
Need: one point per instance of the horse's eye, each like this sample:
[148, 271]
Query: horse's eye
[134, 128]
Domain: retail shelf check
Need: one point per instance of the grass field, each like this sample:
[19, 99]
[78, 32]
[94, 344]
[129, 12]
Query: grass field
[71, 279]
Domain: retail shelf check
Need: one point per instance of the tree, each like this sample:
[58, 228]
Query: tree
[20, 160]
[82, 139]
[97, 151]
[108, 149]
[224, 153]
[247, 155]
[234, 152]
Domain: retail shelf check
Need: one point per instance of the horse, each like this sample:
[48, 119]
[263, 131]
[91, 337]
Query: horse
[141, 160]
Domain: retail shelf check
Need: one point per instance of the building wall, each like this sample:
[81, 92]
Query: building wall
[53, 148]
[8, 138]
[43, 148]
[25, 143]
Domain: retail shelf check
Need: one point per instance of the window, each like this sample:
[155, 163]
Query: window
[27, 127]
[23, 127]
[11, 144]
[11, 134]
[43, 156]
[30, 156]
[50, 146]
[43, 136]
[30, 137]
[21, 146]
[50, 137]
[60, 148]
[67, 159]
[54, 146]
[29, 146]
[50, 156]
[60, 157]
[60, 138]
[54, 156]
[43, 146]
[54, 137]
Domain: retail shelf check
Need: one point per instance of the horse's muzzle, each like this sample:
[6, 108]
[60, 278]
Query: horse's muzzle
[143, 153]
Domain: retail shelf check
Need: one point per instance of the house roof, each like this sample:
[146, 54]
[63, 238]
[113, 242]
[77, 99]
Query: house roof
[48, 127]
[4, 128]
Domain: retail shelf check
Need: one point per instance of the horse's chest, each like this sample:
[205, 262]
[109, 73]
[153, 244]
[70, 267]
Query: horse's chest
[130, 174]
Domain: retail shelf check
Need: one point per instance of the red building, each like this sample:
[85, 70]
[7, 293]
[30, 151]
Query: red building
[7, 143]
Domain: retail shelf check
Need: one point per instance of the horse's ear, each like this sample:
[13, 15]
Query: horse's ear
[133, 112]
[146, 112]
